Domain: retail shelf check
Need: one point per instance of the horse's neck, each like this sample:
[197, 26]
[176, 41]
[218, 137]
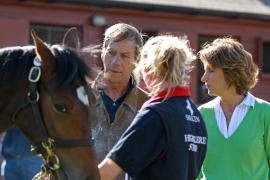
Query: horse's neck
[13, 91]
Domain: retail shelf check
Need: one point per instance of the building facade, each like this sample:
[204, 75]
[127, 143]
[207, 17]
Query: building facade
[199, 20]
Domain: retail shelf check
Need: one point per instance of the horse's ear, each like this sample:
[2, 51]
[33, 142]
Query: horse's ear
[71, 39]
[45, 55]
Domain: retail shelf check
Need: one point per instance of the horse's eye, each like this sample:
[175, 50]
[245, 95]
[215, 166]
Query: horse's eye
[61, 108]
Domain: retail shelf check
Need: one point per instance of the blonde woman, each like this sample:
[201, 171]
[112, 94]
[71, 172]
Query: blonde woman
[238, 124]
[167, 139]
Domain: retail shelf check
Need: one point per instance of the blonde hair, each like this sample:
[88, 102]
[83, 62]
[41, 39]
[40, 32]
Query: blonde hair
[167, 58]
[237, 64]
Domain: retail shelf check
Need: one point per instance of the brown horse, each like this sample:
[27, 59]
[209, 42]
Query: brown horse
[43, 90]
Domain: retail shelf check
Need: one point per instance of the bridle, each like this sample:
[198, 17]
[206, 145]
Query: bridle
[45, 145]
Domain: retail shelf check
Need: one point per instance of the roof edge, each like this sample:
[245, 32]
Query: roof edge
[167, 8]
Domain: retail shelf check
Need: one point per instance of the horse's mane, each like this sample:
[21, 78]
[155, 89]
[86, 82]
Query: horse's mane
[68, 64]
[15, 63]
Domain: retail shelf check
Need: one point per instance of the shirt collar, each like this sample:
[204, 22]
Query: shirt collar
[176, 91]
[129, 99]
[249, 100]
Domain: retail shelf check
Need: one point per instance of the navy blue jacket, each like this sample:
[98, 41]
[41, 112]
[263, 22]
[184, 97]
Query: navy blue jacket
[166, 141]
[15, 144]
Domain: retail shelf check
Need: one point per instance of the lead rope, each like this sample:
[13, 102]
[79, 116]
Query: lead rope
[52, 163]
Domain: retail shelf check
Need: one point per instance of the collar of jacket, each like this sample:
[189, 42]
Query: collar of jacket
[130, 100]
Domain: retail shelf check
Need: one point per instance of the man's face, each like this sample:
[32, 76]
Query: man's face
[118, 60]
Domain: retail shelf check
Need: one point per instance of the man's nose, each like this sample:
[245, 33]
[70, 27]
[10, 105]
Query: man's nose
[116, 59]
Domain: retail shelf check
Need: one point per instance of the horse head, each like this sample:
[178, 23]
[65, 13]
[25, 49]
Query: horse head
[45, 93]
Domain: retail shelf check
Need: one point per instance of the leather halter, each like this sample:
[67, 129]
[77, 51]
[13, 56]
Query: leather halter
[46, 144]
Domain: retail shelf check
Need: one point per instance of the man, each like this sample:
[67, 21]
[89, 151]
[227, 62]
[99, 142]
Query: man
[118, 97]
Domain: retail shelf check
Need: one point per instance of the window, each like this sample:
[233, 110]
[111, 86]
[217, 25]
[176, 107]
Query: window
[148, 34]
[266, 58]
[52, 34]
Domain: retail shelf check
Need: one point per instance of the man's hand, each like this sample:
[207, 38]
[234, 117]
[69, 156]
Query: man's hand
[108, 169]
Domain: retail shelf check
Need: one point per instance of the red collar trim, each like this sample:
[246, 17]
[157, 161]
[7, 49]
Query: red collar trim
[176, 91]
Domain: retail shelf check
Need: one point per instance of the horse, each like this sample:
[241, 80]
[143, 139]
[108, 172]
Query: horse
[44, 92]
